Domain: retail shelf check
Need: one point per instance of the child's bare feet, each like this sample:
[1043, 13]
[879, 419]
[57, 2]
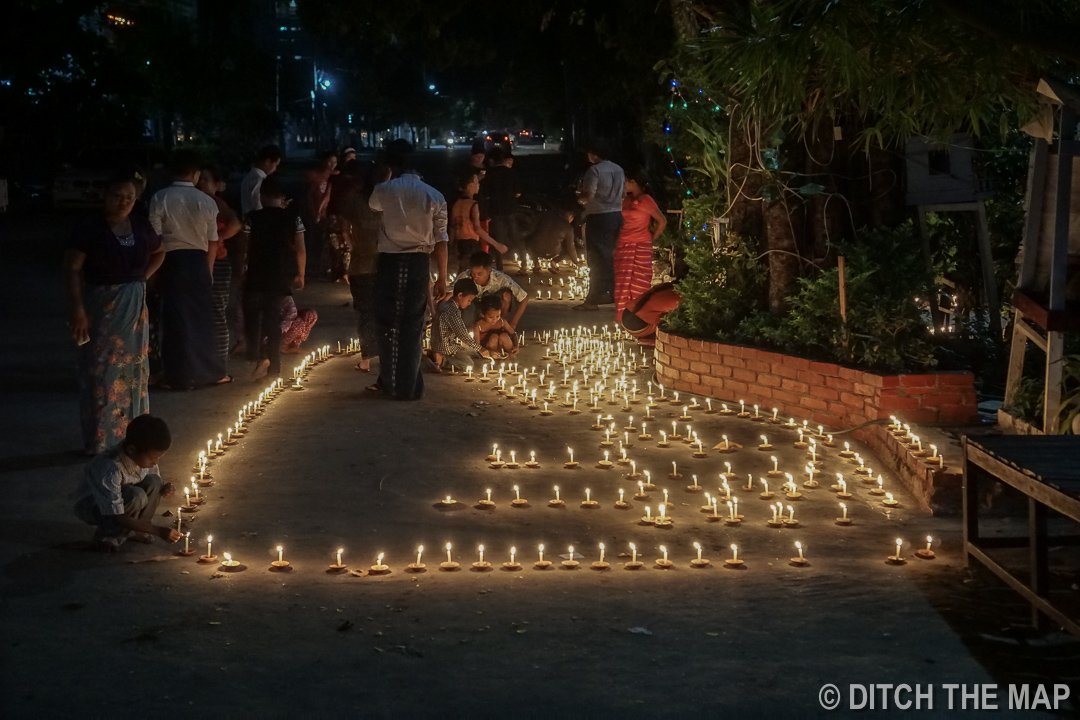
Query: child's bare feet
[261, 369]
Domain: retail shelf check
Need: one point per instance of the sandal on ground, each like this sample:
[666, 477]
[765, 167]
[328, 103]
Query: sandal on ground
[363, 369]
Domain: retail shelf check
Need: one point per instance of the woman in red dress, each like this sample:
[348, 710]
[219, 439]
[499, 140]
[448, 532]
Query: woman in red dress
[642, 224]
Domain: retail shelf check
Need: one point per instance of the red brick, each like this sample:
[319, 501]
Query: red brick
[872, 379]
[784, 370]
[852, 401]
[896, 402]
[813, 403]
[797, 362]
[863, 389]
[841, 384]
[765, 393]
[737, 387]
[720, 371]
[852, 375]
[680, 364]
[712, 381]
[748, 376]
[725, 394]
[785, 396]
[662, 358]
[811, 378]
[690, 377]
[825, 368]
[661, 336]
[939, 399]
[771, 357]
[699, 390]
[733, 361]
[759, 366]
[696, 345]
[711, 358]
[824, 393]
[795, 386]
[890, 381]
[856, 419]
[768, 380]
[839, 409]
[919, 390]
[700, 367]
[914, 381]
[690, 355]
[679, 342]
[963, 378]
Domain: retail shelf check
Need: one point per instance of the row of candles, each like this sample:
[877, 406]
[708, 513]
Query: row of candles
[542, 563]
[203, 478]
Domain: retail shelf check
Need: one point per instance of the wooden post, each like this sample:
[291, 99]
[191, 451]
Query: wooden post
[993, 309]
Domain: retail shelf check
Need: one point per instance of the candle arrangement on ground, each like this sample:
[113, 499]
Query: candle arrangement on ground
[281, 564]
[799, 561]
[337, 565]
[926, 553]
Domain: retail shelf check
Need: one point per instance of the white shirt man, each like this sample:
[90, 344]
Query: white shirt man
[185, 218]
[413, 215]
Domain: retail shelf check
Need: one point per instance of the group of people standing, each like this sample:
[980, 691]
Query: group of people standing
[214, 273]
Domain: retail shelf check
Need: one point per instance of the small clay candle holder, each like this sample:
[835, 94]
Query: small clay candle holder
[207, 559]
[630, 429]
[607, 443]
[511, 566]
[893, 503]
[775, 523]
[186, 553]
[844, 495]
[645, 437]
[734, 563]
[799, 561]
[647, 520]
[937, 460]
[846, 454]
[448, 502]
[519, 502]
[686, 418]
[570, 564]
[280, 566]
[546, 413]
[601, 565]
[484, 566]
[664, 523]
[862, 470]
[727, 449]
[793, 495]
[571, 465]
[664, 443]
[623, 460]
[731, 521]
[556, 503]
[675, 476]
[590, 504]
[699, 453]
[693, 488]
[512, 465]
[925, 554]
[817, 464]
[664, 564]
[674, 438]
[605, 464]
[633, 565]
[189, 508]
[450, 566]
[877, 491]
[700, 563]
[542, 564]
[791, 523]
[745, 414]
[767, 495]
[811, 484]
[640, 496]
[336, 568]
[648, 485]
[896, 560]
[800, 445]
[485, 504]
[532, 464]
[843, 521]
[623, 505]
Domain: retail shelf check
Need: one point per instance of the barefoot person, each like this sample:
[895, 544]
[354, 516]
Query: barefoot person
[449, 333]
[107, 264]
[492, 332]
[601, 193]
[513, 299]
[121, 487]
[276, 263]
[412, 234]
[643, 222]
[466, 230]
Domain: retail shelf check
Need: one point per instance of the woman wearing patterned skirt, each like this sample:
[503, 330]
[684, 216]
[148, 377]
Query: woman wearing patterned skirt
[642, 224]
[212, 182]
[107, 263]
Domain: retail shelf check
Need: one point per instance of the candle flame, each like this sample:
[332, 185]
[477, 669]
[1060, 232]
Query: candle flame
[228, 557]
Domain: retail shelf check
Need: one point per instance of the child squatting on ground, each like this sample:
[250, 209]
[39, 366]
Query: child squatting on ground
[449, 333]
[492, 331]
[121, 487]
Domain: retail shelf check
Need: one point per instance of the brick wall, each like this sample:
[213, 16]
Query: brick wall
[834, 396]
[823, 393]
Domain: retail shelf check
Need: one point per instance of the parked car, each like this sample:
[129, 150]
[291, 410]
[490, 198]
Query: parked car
[82, 183]
[498, 139]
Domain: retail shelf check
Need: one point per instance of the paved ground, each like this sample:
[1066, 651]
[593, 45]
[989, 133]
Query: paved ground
[147, 633]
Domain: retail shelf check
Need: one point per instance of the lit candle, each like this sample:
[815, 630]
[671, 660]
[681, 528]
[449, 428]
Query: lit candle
[557, 493]
[489, 494]
[734, 553]
[179, 519]
[799, 547]
[843, 509]
[601, 552]
[934, 448]
[448, 553]
[209, 545]
[621, 496]
[419, 554]
[664, 550]
[697, 546]
[187, 536]
[339, 551]
[899, 542]
[633, 552]
[571, 451]
[481, 554]
[775, 465]
[727, 446]
[517, 493]
[541, 552]
[774, 411]
[929, 540]
[791, 513]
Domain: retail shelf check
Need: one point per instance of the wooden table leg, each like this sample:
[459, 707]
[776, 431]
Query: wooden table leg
[971, 504]
[1037, 557]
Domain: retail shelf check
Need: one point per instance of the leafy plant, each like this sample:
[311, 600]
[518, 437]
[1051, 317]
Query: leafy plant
[1070, 394]
[724, 286]
[1027, 401]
